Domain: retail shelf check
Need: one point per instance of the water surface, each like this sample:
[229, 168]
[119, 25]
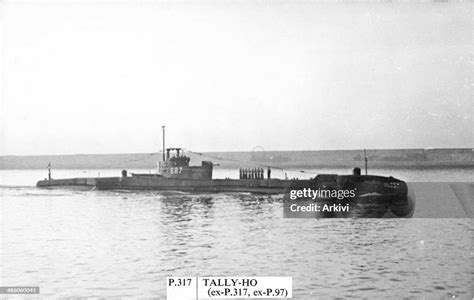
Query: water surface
[108, 243]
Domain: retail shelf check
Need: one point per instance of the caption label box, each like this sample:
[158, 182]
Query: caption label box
[228, 287]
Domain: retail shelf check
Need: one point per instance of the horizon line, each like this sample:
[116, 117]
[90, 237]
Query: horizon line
[249, 151]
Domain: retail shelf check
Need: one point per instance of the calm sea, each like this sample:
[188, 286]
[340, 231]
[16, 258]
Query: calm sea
[107, 243]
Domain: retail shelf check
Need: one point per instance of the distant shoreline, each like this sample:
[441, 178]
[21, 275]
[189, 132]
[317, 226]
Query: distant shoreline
[393, 159]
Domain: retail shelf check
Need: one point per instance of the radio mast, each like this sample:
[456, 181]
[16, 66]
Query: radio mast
[164, 149]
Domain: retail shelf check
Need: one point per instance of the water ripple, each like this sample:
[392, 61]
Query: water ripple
[124, 244]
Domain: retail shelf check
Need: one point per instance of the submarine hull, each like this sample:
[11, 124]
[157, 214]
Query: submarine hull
[139, 183]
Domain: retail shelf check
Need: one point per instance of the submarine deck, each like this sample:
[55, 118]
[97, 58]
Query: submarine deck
[266, 186]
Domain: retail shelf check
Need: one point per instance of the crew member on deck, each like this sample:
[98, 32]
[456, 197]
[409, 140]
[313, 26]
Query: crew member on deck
[49, 171]
[356, 171]
[269, 173]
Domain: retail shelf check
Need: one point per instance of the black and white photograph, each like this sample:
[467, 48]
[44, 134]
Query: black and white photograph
[236, 149]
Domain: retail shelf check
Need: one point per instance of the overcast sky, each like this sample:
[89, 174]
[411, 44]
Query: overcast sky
[102, 77]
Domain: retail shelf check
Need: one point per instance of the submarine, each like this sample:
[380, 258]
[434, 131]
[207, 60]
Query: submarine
[373, 196]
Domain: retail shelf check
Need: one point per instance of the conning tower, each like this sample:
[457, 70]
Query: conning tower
[176, 165]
